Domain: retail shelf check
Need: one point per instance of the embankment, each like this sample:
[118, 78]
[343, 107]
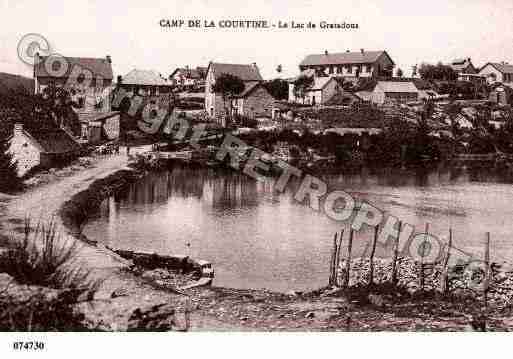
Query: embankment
[76, 211]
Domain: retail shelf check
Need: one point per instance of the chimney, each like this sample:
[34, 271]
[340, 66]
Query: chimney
[18, 129]
[109, 60]
[326, 52]
[362, 51]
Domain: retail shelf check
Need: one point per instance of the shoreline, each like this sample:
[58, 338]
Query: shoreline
[255, 309]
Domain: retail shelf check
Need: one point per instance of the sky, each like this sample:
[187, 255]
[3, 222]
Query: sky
[411, 32]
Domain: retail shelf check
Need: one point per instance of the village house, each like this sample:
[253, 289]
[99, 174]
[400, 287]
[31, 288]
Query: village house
[463, 66]
[144, 83]
[188, 78]
[387, 92]
[497, 72]
[351, 65]
[319, 93]
[42, 149]
[253, 101]
[466, 71]
[88, 80]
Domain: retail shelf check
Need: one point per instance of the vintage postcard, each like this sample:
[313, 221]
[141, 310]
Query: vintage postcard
[288, 166]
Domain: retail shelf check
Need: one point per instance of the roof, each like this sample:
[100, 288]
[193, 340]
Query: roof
[321, 82]
[143, 78]
[197, 73]
[98, 66]
[248, 87]
[503, 68]
[244, 72]
[397, 86]
[460, 64]
[364, 95]
[54, 141]
[342, 98]
[360, 57]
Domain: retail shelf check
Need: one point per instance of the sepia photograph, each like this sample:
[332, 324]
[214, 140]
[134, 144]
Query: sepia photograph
[287, 167]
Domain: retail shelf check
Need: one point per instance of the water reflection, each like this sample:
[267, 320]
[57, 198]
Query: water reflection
[258, 237]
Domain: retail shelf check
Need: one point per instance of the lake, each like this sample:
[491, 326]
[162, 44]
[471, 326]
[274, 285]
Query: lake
[257, 237]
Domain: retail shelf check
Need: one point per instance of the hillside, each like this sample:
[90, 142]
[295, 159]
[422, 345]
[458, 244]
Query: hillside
[10, 82]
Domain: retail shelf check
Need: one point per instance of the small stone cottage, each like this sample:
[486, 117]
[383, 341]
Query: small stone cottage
[44, 149]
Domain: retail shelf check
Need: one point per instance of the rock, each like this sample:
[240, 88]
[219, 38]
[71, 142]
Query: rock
[160, 317]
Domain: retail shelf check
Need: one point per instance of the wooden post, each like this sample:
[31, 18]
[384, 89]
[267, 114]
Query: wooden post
[337, 262]
[421, 274]
[348, 260]
[396, 255]
[444, 283]
[487, 270]
[371, 259]
[332, 260]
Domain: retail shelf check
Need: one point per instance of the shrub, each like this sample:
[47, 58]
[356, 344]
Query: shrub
[42, 258]
[48, 285]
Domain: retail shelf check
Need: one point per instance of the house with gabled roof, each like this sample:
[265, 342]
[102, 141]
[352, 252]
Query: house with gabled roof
[89, 80]
[188, 77]
[144, 83]
[351, 65]
[319, 92]
[394, 92]
[43, 148]
[254, 99]
[463, 66]
[254, 102]
[497, 72]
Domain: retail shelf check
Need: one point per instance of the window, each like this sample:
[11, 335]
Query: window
[331, 70]
[339, 69]
[368, 68]
[349, 69]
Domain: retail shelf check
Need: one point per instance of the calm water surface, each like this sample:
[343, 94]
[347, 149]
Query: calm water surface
[259, 238]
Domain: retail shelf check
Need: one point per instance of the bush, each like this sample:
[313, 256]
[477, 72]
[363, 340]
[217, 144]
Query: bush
[42, 258]
[47, 285]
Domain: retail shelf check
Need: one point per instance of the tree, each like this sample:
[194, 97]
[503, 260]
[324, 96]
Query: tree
[414, 71]
[301, 86]
[278, 88]
[438, 72]
[9, 180]
[399, 73]
[228, 86]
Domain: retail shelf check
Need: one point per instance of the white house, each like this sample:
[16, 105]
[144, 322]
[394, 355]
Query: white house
[43, 148]
[351, 65]
[497, 72]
